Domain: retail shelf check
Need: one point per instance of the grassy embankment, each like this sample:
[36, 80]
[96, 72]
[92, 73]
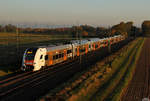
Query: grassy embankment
[100, 85]
[112, 90]
[99, 81]
[116, 94]
[12, 47]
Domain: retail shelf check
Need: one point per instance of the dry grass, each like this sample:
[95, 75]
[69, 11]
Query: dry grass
[13, 38]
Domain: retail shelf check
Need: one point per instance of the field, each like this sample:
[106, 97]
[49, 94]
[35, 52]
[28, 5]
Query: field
[139, 86]
[40, 82]
[103, 81]
[13, 45]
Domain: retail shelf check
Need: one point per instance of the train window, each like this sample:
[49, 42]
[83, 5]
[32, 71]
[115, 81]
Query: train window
[82, 49]
[57, 57]
[60, 55]
[54, 57]
[69, 51]
[30, 54]
[29, 57]
[46, 57]
[41, 56]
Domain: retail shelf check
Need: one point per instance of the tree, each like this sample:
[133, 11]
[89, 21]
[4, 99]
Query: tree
[84, 34]
[146, 27]
[132, 30]
[76, 31]
[123, 28]
[113, 31]
[102, 32]
[90, 29]
[10, 28]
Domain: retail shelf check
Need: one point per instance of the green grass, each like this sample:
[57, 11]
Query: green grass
[13, 38]
[88, 88]
[116, 94]
[122, 64]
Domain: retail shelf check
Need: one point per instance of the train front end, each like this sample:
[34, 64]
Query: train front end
[33, 59]
[28, 59]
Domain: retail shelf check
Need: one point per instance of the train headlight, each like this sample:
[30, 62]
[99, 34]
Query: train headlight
[23, 64]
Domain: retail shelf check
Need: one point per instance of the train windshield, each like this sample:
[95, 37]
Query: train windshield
[30, 54]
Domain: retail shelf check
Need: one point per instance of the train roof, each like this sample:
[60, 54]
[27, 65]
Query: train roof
[79, 42]
[74, 42]
[51, 45]
[117, 35]
[94, 39]
[52, 48]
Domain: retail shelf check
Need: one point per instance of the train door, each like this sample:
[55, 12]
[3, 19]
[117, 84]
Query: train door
[50, 58]
[65, 54]
[78, 51]
[86, 48]
[107, 42]
[99, 44]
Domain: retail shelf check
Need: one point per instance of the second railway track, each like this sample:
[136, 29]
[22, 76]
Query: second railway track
[11, 85]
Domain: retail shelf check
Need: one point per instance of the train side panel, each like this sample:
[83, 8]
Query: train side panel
[57, 55]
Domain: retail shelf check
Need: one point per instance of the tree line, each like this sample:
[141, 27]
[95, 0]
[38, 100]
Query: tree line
[146, 27]
[123, 28]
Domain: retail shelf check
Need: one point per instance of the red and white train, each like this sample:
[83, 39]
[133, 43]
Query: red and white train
[36, 58]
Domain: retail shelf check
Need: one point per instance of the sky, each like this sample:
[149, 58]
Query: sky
[74, 12]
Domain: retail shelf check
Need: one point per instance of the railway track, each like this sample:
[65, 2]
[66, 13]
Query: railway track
[25, 75]
[139, 87]
[26, 86]
[9, 87]
[29, 86]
